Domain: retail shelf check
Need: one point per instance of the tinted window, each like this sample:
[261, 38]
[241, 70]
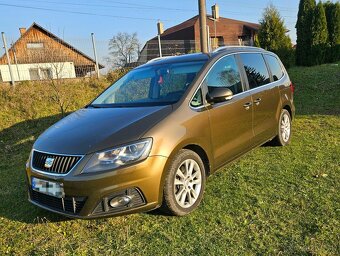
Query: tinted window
[197, 99]
[225, 73]
[256, 69]
[274, 67]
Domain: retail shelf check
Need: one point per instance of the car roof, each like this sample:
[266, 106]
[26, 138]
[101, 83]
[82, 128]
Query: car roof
[177, 59]
[201, 56]
[234, 49]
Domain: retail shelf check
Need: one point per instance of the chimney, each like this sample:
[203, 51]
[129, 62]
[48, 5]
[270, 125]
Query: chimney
[215, 9]
[160, 28]
[22, 31]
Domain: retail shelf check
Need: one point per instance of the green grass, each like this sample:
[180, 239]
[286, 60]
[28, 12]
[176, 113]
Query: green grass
[273, 201]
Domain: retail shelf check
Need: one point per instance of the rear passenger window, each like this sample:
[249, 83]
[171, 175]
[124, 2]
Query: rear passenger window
[225, 73]
[274, 67]
[256, 69]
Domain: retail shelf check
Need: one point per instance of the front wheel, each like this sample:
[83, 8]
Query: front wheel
[184, 183]
[284, 130]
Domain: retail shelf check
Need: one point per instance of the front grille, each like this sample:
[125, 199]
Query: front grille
[137, 199]
[70, 205]
[61, 164]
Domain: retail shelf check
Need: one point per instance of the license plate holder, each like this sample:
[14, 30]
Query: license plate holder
[50, 188]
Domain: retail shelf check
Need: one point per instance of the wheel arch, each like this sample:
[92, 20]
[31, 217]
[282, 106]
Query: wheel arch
[202, 154]
[288, 108]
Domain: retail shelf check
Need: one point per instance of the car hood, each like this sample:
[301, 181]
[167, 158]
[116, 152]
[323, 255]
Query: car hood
[93, 129]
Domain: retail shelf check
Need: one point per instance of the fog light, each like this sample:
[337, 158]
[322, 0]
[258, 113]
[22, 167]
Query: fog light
[120, 201]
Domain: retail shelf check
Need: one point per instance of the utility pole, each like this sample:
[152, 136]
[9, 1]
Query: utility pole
[203, 25]
[160, 30]
[208, 39]
[15, 60]
[8, 59]
[95, 55]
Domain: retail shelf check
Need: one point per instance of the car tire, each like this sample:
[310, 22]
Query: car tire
[284, 129]
[184, 184]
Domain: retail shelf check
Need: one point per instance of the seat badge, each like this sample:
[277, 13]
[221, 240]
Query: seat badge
[49, 162]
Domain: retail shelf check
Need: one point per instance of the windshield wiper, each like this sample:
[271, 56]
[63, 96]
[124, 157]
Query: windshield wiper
[92, 106]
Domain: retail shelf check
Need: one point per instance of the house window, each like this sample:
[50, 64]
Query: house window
[35, 45]
[217, 42]
[46, 73]
[34, 73]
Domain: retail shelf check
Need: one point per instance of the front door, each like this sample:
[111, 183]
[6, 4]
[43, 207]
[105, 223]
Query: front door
[231, 120]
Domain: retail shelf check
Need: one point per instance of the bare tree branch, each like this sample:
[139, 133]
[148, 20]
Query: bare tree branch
[123, 49]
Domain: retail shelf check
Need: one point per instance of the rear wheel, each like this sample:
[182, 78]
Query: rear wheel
[184, 183]
[285, 128]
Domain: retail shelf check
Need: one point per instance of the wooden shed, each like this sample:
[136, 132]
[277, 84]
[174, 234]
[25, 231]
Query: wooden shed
[39, 54]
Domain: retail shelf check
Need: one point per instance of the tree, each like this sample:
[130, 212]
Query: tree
[319, 26]
[272, 35]
[124, 49]
[319, 35]
[332, 11]
[304, 33]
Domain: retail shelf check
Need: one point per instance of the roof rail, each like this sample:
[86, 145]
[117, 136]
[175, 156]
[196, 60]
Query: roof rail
[221, 48]
[159, 58]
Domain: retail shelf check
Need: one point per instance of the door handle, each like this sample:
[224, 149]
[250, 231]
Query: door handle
[257, 101]
[247, 105]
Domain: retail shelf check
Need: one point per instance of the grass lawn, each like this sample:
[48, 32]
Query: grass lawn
[273, 201]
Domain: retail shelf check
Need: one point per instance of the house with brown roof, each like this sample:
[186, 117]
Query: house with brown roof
[39, 55]
[185, 37]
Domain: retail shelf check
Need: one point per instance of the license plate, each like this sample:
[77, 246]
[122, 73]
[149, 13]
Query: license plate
[48, 187]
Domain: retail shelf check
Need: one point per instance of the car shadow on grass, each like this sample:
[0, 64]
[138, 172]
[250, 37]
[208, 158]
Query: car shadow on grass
[15, 145]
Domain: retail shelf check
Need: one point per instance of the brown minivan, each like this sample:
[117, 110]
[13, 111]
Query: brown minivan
[151, 139]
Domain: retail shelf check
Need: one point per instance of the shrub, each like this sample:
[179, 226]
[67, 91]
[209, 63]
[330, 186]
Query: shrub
[333, 53]
[35, 99]
[287, 56]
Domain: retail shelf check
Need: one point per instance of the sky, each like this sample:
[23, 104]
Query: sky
[75, 20]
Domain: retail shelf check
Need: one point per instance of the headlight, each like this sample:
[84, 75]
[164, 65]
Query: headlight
[114, 158]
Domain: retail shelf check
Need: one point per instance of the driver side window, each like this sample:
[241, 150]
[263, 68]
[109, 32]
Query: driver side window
[225, 73]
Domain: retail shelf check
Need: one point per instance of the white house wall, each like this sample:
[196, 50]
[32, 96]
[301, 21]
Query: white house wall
[58, 70]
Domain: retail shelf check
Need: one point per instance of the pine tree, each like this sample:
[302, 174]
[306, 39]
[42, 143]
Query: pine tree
[336, 27]
[319, 26]
[272, 34]
[319, 35]
[304, 33]
[332, 11]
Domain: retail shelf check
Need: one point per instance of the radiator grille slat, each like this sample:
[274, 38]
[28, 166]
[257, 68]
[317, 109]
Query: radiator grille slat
[61, 164]
[57, 204]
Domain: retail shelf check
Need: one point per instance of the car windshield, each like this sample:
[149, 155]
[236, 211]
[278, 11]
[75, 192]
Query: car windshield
[154, 85]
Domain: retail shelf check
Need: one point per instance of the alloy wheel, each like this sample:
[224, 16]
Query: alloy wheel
[187, 183]
[285, 127]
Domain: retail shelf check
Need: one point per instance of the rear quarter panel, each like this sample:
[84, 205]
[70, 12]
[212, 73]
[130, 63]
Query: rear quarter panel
[286, 94]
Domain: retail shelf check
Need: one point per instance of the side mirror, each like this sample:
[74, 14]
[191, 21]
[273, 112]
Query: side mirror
[219, 94]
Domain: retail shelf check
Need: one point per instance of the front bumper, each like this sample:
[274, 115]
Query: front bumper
[87, 195]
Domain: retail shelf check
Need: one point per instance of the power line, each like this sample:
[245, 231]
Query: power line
[107, 15]
[247, 5]
[77, 12]
[145, 7]
[152, 6]
[129, 5]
